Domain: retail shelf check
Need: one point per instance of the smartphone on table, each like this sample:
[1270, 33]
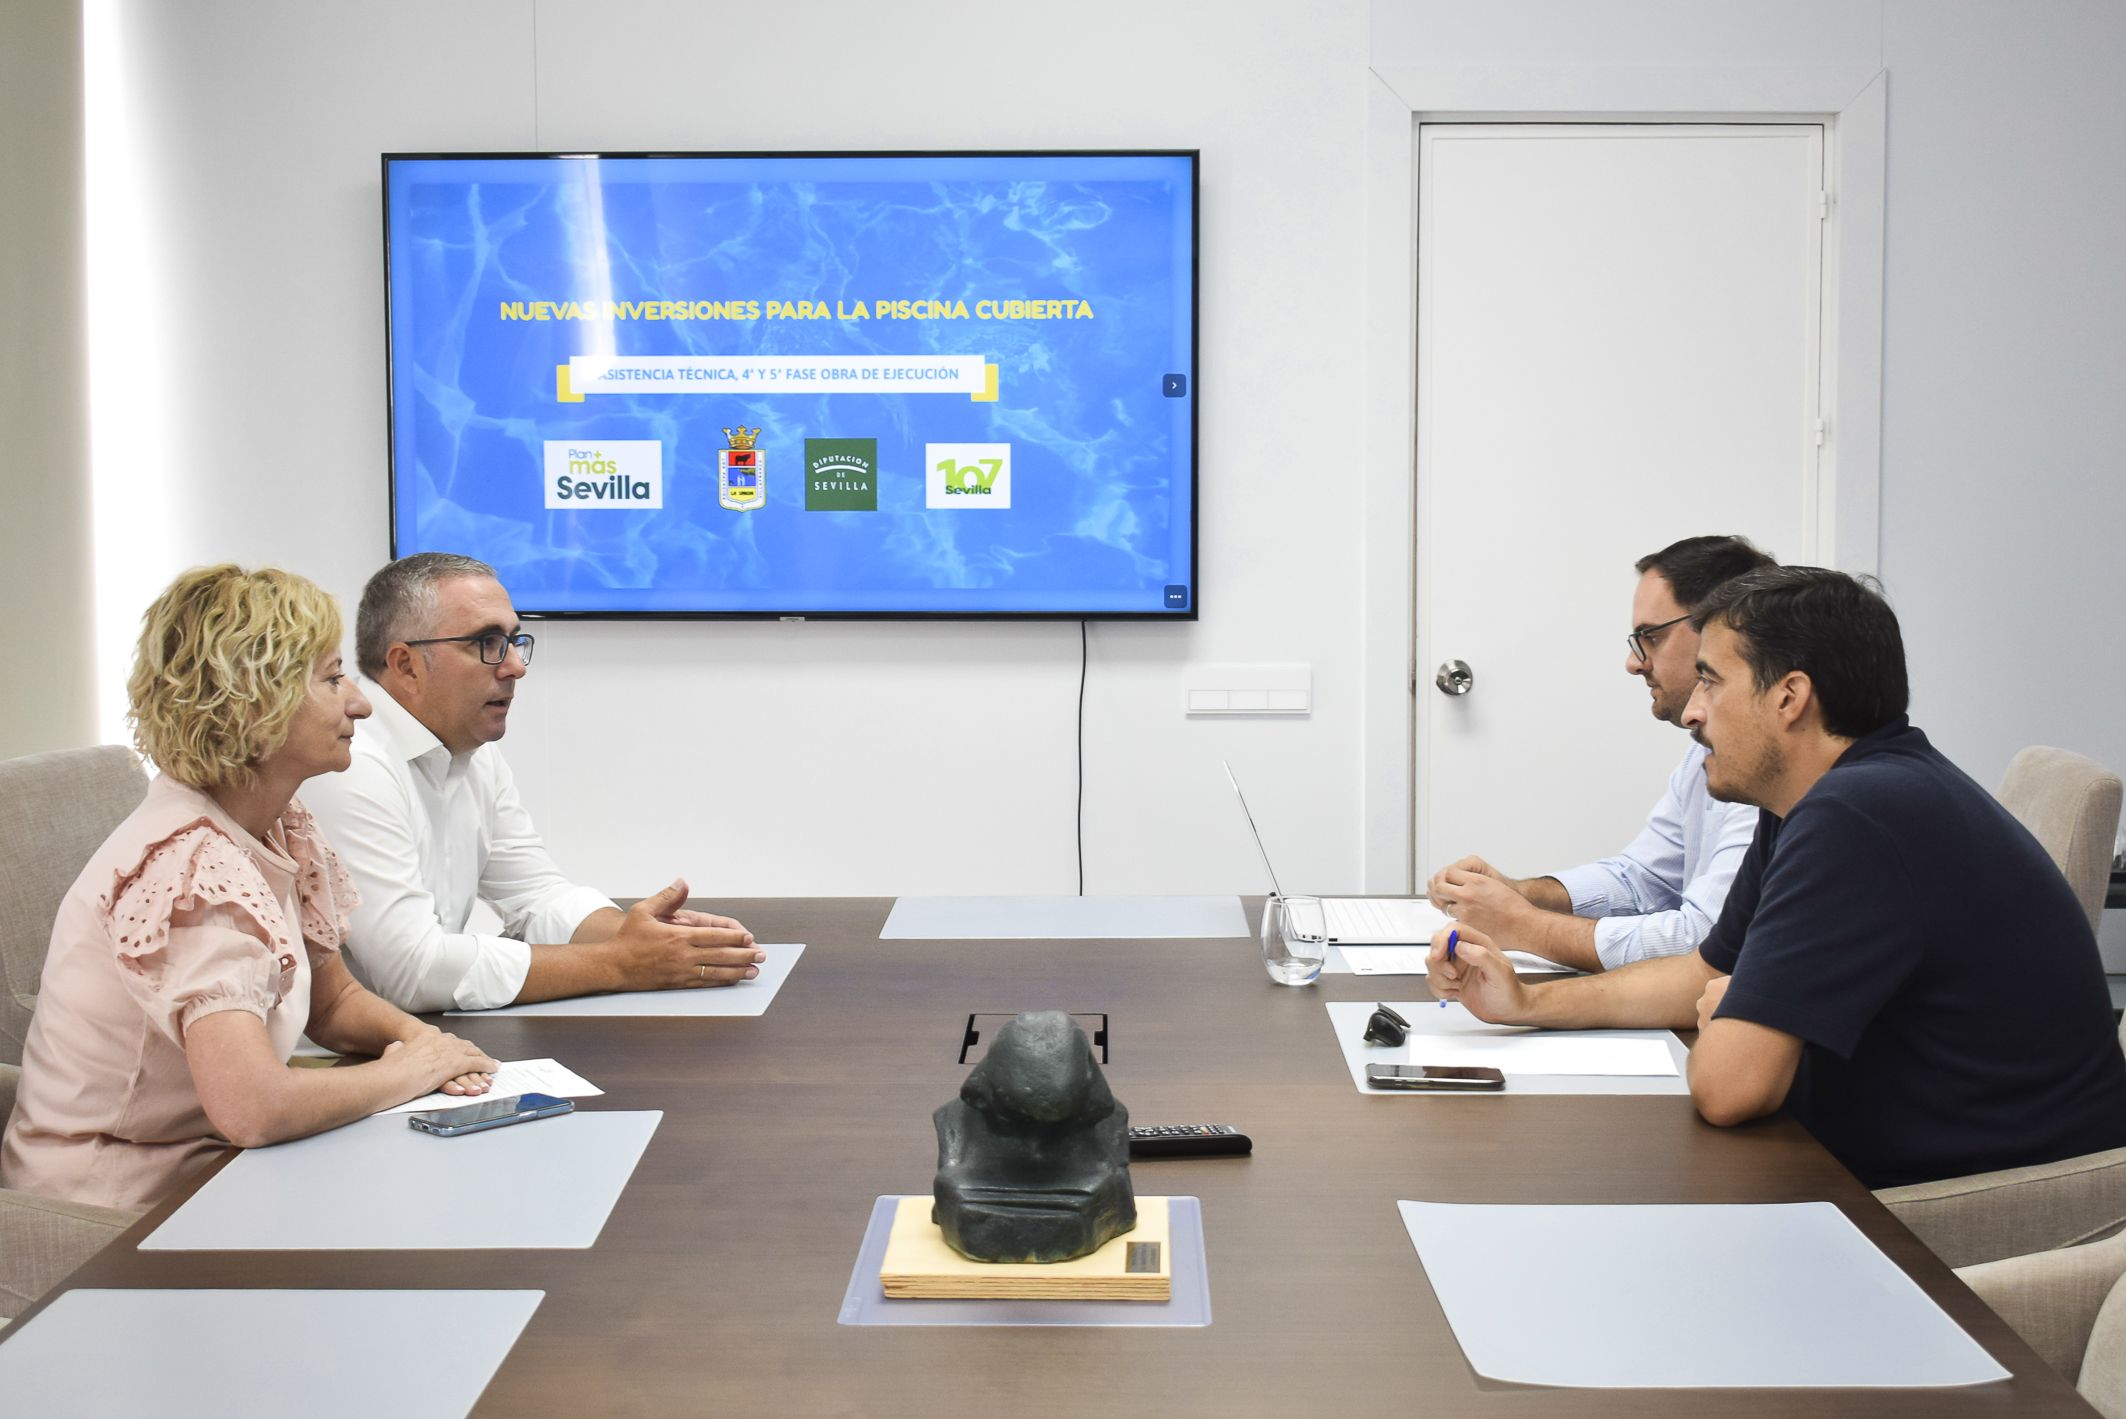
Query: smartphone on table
[1454, 1077]
[489, 1113]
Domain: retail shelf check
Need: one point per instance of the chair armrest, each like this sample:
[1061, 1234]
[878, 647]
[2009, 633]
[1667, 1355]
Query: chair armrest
[2052, 1299]
[2103, 1378]
[2016, 1211]
[42, 1239]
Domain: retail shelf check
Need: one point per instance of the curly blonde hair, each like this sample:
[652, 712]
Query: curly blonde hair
[223, 664]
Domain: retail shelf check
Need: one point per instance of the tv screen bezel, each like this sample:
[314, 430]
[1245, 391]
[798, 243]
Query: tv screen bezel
[1195, 508]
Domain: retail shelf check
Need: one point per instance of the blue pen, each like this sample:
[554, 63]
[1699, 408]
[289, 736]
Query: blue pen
[1452, 938]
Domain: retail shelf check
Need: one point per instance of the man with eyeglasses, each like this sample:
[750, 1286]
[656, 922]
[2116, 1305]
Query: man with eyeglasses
[1662, 894]
[428, 823]
[1901, 967]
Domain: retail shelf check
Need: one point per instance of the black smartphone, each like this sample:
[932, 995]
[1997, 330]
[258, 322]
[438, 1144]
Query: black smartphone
[1434, 1076]
[489, 1113]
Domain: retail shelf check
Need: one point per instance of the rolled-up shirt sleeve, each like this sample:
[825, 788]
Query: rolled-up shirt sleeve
[536, 902]
[1658, 898]
[1621, 940]
[396, 942]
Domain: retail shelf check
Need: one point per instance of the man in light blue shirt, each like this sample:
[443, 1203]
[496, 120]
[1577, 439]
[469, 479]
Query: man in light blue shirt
[1662, 894]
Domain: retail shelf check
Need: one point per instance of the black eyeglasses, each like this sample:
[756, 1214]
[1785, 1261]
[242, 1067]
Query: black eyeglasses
[1641, 641]
[493, 645]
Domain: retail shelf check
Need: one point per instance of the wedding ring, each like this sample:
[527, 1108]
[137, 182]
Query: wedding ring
[704, 971]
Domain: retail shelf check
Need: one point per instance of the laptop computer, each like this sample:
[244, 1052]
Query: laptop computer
[1357, 921]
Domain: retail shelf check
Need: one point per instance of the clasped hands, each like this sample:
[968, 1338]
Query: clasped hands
[661, 945]
[1478, 895]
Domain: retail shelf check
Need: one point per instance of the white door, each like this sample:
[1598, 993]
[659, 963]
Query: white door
[1618, 332]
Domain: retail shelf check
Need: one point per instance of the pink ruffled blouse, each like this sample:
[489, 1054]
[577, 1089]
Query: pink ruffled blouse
[181, 913]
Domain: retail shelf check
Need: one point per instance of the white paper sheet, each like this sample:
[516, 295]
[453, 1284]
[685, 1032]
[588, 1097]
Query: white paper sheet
[1547, 1053]
[196, 1354]
[749, 997]
[516, 1076]
[1768, 1295]
[1383, 921]
[1062, 918]
[1446, 1035]
[378, 1185]
[1411, 960]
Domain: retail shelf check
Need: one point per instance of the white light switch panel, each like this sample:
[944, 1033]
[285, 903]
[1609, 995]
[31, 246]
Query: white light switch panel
[1247, 689]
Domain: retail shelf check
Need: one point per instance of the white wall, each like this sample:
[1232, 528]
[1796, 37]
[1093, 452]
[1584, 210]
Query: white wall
[817, 758]
[2004, 382]
[2004, 373]
[892, 757]
[2004, 434]
[240, 388]
[1639, 34]
[47, 687]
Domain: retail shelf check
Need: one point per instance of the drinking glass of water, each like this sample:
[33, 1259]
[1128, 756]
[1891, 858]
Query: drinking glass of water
[1295, 939]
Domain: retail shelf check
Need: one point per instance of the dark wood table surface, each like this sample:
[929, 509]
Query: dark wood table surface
[715, 1286]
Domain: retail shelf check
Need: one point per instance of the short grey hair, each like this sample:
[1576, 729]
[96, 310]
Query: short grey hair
[399, 603]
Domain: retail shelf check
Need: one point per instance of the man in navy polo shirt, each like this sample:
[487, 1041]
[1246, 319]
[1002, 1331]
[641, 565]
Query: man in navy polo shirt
[1899, 965]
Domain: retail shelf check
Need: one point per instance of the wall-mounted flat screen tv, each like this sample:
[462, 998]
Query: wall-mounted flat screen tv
[799, 384]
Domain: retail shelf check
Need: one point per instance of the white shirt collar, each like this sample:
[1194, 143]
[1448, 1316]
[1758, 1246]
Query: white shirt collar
[406, 738]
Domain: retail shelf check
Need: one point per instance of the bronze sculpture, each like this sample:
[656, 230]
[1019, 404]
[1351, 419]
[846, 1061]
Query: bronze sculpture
[1033, 1156]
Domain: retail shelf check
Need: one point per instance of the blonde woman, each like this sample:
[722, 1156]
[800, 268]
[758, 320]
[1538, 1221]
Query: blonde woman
[202, 940]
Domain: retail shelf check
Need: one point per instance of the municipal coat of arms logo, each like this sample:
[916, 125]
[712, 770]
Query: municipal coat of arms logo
[738, 482]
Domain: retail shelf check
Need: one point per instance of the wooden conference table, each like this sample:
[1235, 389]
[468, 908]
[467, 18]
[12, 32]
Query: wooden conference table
[715, 1286]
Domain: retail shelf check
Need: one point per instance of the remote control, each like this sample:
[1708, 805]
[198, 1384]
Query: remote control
[1188, 1140]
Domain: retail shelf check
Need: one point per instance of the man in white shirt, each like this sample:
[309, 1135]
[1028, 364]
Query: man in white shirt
[428, 822]
[1662, 894]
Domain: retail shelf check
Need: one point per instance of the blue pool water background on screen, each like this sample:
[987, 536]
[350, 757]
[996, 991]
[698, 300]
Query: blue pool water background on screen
[800, 384]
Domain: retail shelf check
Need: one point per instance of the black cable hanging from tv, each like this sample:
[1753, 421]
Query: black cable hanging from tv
[1084, 656]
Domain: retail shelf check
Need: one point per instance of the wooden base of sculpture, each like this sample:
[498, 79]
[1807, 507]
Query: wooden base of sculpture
[1136, 1266]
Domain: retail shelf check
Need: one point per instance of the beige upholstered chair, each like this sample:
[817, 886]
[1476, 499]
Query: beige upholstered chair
[55, 811]
[2015, 1211]
[2071, 1306]
[2071, 805]
[42, 1238]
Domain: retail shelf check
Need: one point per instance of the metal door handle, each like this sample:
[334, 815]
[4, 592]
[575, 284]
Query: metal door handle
[1455, 678]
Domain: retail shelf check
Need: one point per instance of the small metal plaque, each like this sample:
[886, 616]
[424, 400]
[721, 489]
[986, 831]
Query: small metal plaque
[1143, 1259]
